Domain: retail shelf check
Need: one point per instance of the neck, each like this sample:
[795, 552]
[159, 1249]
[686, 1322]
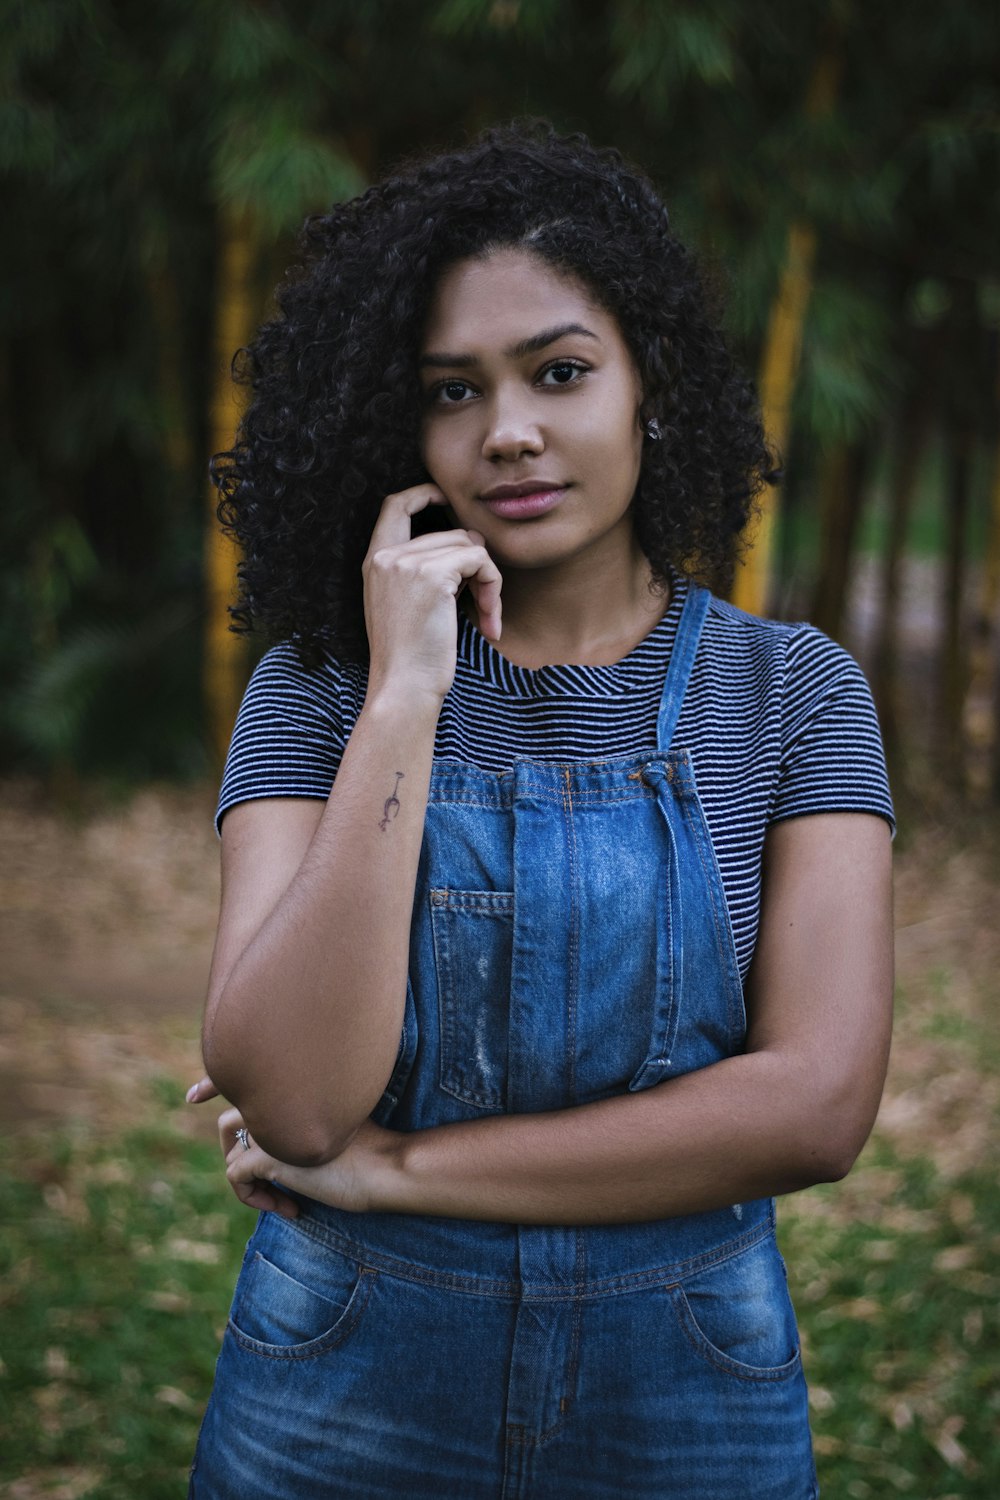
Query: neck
[590, 611]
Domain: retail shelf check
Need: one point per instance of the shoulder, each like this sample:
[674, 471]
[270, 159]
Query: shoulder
[291, 729]
[281, 677]
[813, 700]
[796, 652]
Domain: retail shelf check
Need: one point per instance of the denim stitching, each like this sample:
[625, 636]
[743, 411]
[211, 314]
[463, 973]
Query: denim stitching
[327, 1341]
[768, 1374]
[481, 1286]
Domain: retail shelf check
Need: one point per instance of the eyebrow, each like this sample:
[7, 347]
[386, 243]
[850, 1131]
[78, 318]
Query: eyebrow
[531, 345]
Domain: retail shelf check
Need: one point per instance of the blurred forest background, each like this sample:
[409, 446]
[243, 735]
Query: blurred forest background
[837, 166]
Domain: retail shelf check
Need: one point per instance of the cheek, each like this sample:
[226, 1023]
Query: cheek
[440, 453]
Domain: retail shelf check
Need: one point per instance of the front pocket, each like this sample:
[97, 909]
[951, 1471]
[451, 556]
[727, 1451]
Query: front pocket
[296, 1297]
[473, 935]
[738, 1315]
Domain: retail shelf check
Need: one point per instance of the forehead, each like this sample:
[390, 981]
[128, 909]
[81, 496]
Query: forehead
[490, 302]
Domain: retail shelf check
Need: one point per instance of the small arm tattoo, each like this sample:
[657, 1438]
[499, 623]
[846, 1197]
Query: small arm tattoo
[391, 808]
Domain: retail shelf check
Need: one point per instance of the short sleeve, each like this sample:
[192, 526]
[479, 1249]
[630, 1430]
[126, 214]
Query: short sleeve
[832, 759]
[289, 735]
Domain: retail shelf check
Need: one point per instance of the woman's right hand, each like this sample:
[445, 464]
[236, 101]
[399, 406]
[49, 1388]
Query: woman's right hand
[411, 588]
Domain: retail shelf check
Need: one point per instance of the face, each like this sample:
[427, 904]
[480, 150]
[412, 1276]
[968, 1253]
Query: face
[531, 412]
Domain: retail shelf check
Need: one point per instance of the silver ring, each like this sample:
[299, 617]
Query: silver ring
[243, 1137]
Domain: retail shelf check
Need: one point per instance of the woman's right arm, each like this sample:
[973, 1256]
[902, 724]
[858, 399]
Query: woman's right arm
[308, 980]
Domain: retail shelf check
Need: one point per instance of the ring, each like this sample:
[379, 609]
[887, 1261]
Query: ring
[243, 1137]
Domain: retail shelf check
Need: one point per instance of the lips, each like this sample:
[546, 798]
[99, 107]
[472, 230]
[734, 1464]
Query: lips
[519, 502]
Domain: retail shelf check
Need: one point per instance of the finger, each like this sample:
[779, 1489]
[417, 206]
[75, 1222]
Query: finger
[267, 1198]
[488, 608]
[393, 524]
[250, 1175]
[456, 563]
[229, 1122]
[431, 541]
[202, 1090]
[485, 589]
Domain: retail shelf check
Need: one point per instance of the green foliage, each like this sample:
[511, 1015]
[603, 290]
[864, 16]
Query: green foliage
[848, 381]
[269, 161]
[106, 697]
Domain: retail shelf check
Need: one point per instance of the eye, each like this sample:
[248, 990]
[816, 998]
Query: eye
[563, 372]
[450, 392]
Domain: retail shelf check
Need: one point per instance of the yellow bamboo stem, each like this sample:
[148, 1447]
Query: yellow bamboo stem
[224, 657]
[780, 359]
[782, 348]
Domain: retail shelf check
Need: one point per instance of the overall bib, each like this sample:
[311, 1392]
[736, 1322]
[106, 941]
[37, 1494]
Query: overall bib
[570, 941]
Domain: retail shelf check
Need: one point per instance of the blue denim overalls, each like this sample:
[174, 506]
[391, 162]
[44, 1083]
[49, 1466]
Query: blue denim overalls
[570, 941]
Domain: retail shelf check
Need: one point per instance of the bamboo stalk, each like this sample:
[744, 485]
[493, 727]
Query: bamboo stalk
[780, 357]
[224, 657]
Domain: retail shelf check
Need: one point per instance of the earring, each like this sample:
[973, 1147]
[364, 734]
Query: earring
[653, 430]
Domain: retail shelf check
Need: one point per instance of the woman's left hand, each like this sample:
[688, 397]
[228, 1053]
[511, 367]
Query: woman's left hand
[358, 1180]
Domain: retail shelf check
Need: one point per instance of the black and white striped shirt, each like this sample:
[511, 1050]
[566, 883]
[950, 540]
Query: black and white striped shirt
[777, 718]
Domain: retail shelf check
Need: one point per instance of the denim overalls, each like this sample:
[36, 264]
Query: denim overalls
[570, 941]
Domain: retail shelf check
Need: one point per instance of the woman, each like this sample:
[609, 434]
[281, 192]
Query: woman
[480, 1007]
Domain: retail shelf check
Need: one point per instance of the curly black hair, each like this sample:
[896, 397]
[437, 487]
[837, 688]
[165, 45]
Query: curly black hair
[333, 426]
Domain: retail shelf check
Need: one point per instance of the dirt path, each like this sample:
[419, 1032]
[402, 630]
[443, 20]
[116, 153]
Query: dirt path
[106, 924]
[106, 927]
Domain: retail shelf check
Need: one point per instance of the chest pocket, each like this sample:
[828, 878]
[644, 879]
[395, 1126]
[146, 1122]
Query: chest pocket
[473, 934]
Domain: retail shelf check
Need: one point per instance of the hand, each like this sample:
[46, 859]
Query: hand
[411, 588]
[358, 1180]
[260, 1194]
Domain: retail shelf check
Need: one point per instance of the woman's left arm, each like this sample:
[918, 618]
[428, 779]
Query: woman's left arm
[794, 1109]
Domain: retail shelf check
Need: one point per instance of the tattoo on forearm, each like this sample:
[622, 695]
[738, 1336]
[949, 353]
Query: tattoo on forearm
[391, 808]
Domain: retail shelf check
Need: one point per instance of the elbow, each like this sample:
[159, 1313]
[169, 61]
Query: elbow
[292, 1137]
[833, 1144]
[304, 1147]
[281, 1124]
[831, 1164]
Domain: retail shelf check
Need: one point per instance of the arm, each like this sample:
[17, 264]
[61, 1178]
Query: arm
[795, 1109]
[308, 979]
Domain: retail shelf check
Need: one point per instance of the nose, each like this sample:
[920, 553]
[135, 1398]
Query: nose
[512, 427]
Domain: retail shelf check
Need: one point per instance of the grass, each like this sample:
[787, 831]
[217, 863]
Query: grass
[118, 1259]
[896, 1276]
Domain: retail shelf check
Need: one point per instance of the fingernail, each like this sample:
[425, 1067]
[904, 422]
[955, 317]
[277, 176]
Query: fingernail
[192, 1093]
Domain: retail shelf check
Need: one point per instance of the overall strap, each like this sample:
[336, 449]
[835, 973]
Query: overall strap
[681, 661]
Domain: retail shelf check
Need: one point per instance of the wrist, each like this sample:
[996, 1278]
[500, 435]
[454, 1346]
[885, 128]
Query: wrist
[391, 1186]
[418, 705]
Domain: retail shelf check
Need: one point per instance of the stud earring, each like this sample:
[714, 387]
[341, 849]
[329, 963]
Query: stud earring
[653, 431]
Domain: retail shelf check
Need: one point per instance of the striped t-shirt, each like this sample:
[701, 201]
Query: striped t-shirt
[777, 719]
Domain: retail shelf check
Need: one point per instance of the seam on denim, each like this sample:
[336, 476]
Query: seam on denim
[702, 1345]
[478, 1286]
[726, 950]
[326, 1342]
[450, 1080]
[573, 986]
[572, 1367]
